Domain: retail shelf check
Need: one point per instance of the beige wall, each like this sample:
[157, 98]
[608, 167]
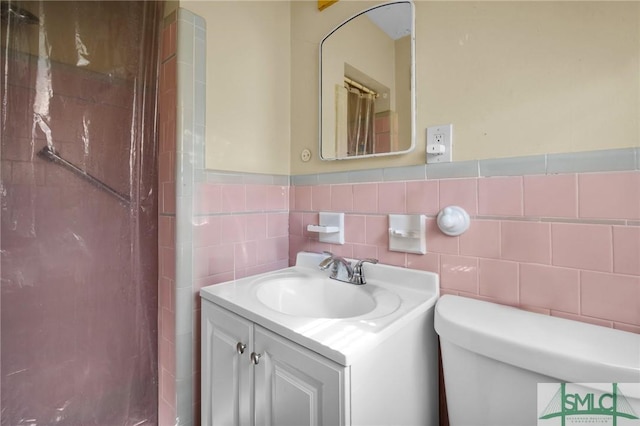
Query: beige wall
[248, 84]
[531, 78]
[514, 78]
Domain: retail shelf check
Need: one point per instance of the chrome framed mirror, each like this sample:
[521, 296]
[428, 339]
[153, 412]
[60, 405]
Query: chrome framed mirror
[367, 84]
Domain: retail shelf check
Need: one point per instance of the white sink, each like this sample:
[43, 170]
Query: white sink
[339, 320]
[304, 295]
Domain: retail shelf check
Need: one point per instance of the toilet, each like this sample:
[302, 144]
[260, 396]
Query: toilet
[494, 357]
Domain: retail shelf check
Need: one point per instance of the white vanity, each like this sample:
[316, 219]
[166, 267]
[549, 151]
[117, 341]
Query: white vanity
[293, 347]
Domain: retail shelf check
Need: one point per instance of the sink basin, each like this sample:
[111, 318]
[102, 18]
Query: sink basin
[312, 297]
[338, 320]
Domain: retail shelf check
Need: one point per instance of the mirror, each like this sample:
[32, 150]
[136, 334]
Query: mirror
[367, 84]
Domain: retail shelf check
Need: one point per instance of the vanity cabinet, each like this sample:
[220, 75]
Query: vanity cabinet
[251, 375]
[293, 347]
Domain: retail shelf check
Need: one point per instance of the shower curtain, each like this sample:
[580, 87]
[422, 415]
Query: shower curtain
[361, 118]
[78, 236]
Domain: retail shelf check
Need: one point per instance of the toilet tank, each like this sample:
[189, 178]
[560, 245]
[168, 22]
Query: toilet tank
[494, 356]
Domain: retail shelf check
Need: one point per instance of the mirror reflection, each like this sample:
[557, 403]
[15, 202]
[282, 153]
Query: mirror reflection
[367, 103]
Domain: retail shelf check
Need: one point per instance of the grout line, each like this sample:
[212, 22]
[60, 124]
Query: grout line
[580, 291]
[612, 267]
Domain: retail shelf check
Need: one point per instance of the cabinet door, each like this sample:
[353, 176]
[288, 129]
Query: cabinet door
[227, 372]
[295, 386]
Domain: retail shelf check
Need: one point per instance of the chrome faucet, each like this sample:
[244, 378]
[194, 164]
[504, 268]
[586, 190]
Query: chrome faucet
[342, 270]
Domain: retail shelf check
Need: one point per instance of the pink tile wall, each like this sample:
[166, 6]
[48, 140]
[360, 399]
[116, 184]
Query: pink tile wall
[167, 227]
[244, 232]
[562, 245]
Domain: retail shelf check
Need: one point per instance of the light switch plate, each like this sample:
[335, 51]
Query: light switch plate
[440, 144]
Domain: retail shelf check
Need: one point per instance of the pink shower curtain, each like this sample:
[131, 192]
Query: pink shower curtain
[78, 240]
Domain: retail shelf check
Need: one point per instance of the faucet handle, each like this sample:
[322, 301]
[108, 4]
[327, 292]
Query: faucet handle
[368, 260]
[358, 276]
[327, 261]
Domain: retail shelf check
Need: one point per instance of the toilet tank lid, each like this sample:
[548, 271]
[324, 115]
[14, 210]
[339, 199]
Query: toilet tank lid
[556, 347]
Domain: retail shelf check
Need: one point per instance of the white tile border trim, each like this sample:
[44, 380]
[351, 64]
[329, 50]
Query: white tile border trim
[625, 159]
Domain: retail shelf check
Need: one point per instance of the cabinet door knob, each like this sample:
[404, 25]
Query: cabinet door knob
[255, 358]
[240, 347]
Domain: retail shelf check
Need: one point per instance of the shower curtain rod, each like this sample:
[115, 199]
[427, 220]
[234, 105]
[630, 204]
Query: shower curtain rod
[360, 86]
[50, 154]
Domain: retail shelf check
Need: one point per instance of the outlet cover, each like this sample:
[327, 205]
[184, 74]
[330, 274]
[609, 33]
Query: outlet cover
[440, 144]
